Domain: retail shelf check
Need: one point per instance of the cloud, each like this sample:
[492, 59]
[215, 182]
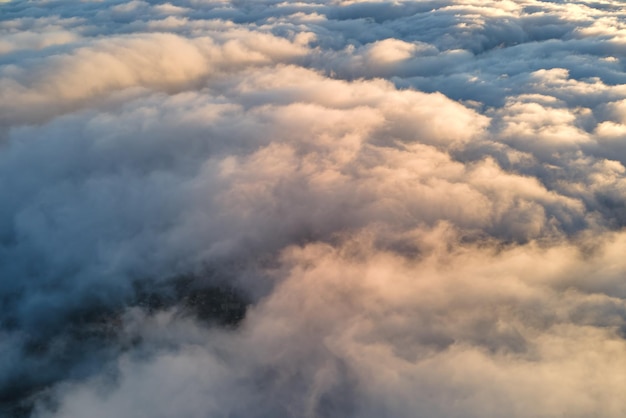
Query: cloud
[321, 209]
[157, 61]
[462, 333]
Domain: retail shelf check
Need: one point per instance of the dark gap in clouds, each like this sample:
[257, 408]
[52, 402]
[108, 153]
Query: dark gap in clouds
[380, 12]
[613, 208]
[602, 6]
[215, 304]
[82, 340]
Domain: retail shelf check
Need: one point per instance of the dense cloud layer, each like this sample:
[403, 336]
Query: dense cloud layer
[312, 209]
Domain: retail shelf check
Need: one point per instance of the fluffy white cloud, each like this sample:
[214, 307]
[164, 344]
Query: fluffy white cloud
[352, 330]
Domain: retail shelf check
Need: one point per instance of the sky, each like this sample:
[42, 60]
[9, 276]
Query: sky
[313, 209]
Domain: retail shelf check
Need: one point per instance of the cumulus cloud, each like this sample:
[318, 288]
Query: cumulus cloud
[466, 332]
[320, 209]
